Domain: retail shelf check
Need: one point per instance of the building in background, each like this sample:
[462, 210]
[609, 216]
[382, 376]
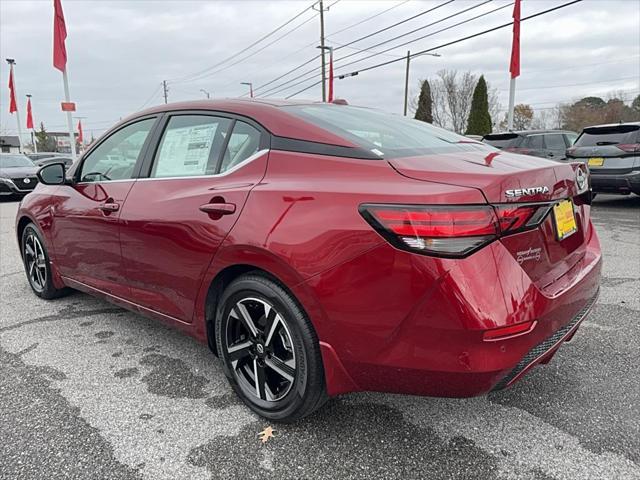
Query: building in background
[62, 141]
[9, 144]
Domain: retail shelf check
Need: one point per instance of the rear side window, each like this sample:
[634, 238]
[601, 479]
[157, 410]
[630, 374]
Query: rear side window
[502, 140]
[190, 146]
[535, 142]
[383, 134]
[613, 135]
[554, 141]
[243, 142]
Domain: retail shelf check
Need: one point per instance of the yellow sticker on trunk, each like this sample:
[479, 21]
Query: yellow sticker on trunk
[564, 219]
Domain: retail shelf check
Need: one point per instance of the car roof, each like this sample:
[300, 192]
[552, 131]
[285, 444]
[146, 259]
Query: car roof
[606, 125]
[267, 112]
[530, 132]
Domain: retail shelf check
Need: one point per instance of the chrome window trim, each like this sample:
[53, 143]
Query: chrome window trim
[247, 160]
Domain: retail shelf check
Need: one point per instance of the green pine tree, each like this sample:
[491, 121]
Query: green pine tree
[43, 140]
[479, 117]
[425, 103]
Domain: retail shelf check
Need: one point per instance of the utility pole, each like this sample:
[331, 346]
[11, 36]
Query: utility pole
[406, 83]
[165, 90]
[322, 48]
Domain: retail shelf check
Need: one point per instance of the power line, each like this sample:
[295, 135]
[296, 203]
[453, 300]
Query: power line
[357, 40]
[271, 92]
[453, 42]
[635, 77]
[326, 37]
[398, 23]
[231, 57]
[255, 52]
[155, 92]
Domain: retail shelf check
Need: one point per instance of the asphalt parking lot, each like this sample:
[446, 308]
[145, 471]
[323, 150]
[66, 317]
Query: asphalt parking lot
[90, 391]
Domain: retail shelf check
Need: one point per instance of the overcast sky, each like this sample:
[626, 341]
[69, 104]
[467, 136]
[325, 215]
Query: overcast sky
[120, 51]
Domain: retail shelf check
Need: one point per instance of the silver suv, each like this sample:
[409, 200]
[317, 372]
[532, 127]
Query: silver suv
[612, 153]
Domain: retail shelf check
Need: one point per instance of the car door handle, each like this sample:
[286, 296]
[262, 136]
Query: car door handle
[219, 208]
[109, 207]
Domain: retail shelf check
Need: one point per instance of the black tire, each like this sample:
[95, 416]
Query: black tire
[37, 265]
[292, 338]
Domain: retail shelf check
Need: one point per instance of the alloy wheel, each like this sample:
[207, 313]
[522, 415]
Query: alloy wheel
[260, 350]
[36, 262]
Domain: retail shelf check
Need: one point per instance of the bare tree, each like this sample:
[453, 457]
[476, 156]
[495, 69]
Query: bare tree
[451, 93]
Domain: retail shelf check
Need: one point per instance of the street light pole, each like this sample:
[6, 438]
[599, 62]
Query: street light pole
[406, 78]
[205, 92]
[250, 84]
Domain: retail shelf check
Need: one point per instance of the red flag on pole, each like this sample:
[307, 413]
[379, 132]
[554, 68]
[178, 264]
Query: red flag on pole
[29, 115]
[514, 68]
[59, 36]
[13, 104]
[80, 137]
[330, 96]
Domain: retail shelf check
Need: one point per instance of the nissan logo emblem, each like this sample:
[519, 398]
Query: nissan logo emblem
[27, 180]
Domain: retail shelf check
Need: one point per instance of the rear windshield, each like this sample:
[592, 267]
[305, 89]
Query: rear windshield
[384, 134]
[10, 161]
[597, 136]
[502, 140]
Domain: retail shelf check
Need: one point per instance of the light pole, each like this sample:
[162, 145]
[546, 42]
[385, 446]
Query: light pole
[250, 87]
[207, 94]
[406, 78]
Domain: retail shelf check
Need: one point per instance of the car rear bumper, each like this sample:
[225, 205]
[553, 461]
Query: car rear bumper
[417, 327]
[603, 182]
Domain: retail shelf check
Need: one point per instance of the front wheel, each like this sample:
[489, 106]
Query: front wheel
[269, 350]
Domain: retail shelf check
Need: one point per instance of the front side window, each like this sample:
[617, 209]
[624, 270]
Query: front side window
[116, 157]
[190, 146]
[243, 142]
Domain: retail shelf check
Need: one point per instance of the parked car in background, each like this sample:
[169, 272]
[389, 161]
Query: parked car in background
[321, 249]
[41, 162]
[550, 144]
[612, 153]
[40, 155]
[17, 174]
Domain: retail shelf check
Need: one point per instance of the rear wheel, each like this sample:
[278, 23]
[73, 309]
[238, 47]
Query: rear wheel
[37, 265]
[269, 350]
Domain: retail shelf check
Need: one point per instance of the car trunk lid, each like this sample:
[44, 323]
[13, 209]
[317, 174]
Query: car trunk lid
[511, 180]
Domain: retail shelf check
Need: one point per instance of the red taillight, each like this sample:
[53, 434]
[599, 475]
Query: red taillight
[629, 147]
[450, 231]
[510, 331]
[517, 218]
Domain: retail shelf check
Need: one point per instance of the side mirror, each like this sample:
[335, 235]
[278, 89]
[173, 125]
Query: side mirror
[52, 174]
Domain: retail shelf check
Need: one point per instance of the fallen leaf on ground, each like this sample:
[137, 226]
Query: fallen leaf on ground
[266, 434]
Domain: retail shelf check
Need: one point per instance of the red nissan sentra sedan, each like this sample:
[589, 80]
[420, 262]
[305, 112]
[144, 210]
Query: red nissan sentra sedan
[321, 249]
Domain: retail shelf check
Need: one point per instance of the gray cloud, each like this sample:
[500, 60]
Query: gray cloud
[120, 51]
